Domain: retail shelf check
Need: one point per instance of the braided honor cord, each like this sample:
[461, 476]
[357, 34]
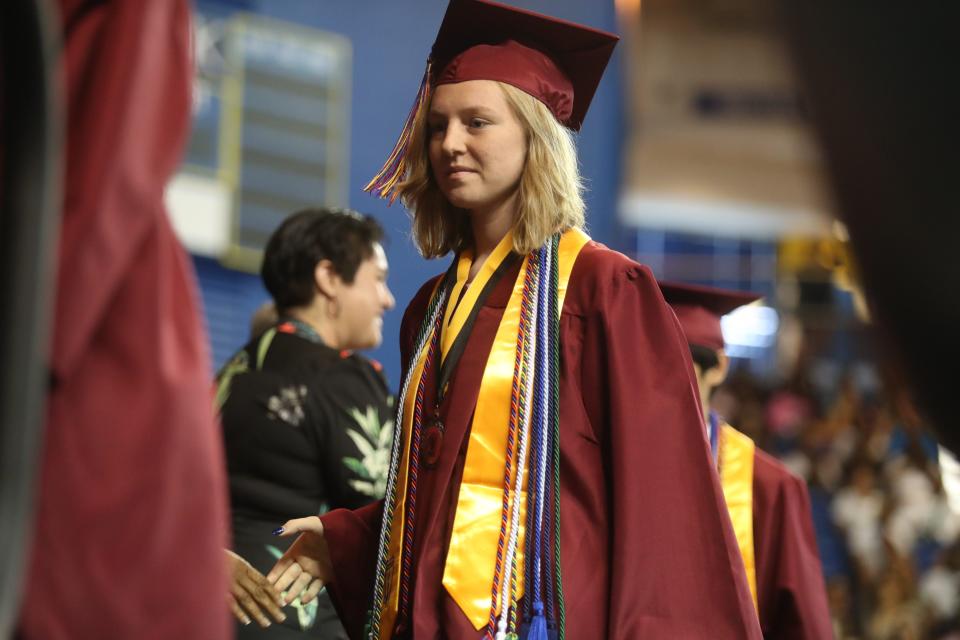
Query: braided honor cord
[523, 401]
[554, 582]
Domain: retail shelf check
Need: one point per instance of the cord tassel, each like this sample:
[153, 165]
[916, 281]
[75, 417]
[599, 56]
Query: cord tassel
[538, 626]
[384, 184]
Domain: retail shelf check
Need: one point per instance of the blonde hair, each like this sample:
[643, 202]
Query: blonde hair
[551, 190]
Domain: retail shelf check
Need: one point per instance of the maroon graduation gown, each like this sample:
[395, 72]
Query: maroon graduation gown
[131, 505]
[791, 595]
[647, 547]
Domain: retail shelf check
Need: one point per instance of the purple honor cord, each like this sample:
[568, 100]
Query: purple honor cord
[541, 440]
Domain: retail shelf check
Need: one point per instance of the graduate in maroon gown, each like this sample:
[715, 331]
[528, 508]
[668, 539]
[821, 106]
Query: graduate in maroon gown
[769, 506]
[550, 475]
[131, 502]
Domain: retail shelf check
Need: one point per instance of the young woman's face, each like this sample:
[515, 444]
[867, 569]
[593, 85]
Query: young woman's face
[363, 303]
[477, 145]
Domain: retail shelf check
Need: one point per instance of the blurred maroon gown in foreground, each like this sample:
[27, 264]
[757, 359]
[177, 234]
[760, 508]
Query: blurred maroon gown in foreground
[131, 504]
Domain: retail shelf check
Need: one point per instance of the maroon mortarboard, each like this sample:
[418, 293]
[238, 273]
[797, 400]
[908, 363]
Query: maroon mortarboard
[700, 308]
[557, 62]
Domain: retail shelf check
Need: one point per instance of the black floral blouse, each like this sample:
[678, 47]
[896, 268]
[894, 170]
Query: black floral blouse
[306, 429]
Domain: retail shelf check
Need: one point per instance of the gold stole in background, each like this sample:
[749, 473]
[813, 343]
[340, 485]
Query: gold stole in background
[736, 477]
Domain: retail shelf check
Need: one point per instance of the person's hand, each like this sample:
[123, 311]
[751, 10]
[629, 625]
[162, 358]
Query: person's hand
[251, 594]
[305, 568]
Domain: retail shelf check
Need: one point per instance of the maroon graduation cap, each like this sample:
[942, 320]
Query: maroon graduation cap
[557, 62]
[700, 308]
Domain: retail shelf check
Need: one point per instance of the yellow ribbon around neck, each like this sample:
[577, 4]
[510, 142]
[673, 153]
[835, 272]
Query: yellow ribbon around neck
[736, 477]
[471, 556]
[455, 316]
[457, 312]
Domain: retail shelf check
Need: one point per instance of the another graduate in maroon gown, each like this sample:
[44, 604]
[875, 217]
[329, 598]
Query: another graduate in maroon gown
[131, 511]
[769, 506]
[548, 389]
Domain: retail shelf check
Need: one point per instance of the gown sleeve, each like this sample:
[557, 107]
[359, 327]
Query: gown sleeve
[791, 590]
[676, 570]
[352, 536]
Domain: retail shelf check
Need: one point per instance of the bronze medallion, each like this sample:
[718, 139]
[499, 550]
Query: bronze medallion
[432, 442]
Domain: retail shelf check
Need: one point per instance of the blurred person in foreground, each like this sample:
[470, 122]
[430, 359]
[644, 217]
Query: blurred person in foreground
[306, 422]
[769, 506]
[547, 383]
[130, 516]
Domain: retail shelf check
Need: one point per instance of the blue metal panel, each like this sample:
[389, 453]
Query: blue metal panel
[229, 300]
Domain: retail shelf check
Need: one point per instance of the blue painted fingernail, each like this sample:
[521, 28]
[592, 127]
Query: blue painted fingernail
[277, 531]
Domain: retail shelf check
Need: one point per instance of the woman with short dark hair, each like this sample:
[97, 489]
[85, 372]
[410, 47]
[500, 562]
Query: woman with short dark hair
[341, 237]
[306, 422]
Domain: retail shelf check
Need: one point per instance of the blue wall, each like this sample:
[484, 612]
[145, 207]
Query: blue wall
[229, 300]
[391, 40]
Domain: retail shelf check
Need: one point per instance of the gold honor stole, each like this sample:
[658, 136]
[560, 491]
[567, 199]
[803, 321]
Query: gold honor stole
[472, 554]
[736, 477]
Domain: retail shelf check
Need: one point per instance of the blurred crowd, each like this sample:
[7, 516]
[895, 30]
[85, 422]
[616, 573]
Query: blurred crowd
[880, 489]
